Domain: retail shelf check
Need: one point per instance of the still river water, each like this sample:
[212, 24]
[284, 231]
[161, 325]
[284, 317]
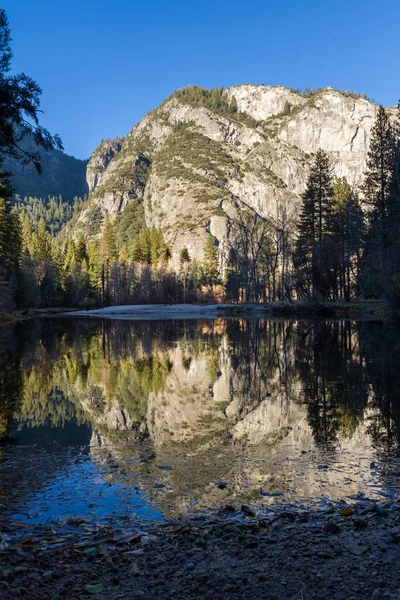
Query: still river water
[166, 419]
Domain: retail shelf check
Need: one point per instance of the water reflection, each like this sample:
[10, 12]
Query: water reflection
[163, 411]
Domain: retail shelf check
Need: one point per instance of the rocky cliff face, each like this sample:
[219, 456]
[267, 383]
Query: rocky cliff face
[197, 159]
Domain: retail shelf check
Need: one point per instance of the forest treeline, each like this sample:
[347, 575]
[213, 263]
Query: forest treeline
[345, 244]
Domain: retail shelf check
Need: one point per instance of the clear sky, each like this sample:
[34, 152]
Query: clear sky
[102, 64]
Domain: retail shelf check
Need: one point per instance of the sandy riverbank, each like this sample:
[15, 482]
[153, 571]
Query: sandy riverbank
[168, 311]
[357, 310]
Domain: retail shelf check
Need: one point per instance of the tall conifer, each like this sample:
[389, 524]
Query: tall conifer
[314, 226]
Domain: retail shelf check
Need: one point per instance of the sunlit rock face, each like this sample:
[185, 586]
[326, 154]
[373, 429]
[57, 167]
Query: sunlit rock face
[264, 101]
[192, 166]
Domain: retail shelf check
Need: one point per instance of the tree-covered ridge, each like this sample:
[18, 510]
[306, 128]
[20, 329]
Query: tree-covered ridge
[215, 100]
[188, 154]
[54, 211]
[62, 175]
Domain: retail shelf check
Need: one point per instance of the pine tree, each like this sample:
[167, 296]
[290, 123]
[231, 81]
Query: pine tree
[210, 261]
[19, 108]
[108, 243]
[124, 255]
[314, 227]
[42, 247]
[141, 250]
[26, 234]
[10, 233]
[10, 239]
[380, 199]
[109, 255]
[95, 266]
[184, 256]
[157, 245]
[184, 259]
[81, 250]
[69, 255]
[347, 232]
[379, 176]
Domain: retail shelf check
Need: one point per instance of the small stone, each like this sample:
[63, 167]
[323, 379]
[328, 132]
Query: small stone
[47, 574]
[360, 524]
[332, 528]
[190, 566]
[378, 594]
[7, 573]
[247, 511]
[145, 540]
[135, 570]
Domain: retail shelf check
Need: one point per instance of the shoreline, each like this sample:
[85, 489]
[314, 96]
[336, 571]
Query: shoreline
[344, 552]
[374, 310]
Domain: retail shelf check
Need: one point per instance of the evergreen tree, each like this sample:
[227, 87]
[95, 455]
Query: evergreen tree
[124, 255]
[81, 250]
[379, 176]
[382, 203]
[42, 247]
[157, 245]
[210, 261]
[141, 250]
[109, 255]
[69, 255]
[314, 227]
[95, 266]
[10, 234]
[108, 243]
[19, 108]
[184, 259]
[26, 234]
[184, 256]
[347, 232]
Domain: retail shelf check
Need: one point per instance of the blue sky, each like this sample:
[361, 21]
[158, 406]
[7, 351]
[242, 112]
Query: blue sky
[103, 64]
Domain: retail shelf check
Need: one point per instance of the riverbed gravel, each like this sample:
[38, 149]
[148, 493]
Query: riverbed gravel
[344, 553]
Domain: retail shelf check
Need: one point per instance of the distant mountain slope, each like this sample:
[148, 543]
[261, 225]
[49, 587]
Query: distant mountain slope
[202, 154]
[61, 175]
[188, 165]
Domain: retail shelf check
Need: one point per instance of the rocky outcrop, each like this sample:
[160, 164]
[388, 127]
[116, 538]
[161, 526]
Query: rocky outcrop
[195, 159]
[99, 162]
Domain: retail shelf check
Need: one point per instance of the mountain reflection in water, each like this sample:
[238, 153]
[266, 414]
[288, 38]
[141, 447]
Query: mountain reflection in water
[171, 418]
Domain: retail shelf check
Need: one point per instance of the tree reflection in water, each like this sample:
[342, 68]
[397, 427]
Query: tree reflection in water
[261, 389]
